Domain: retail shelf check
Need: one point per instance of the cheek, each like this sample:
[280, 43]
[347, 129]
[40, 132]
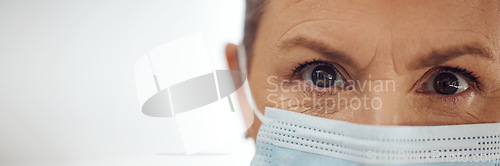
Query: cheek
[487, 109]
[464, 109]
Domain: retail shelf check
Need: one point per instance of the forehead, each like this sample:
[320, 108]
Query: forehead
[389, 14]
[408, 28]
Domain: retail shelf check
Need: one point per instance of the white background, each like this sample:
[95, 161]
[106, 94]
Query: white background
[67, 89]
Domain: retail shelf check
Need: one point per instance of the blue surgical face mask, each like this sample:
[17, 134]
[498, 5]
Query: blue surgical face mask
[289, 138]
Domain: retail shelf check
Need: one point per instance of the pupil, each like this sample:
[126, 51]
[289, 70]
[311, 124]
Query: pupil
[323, 76]
[446, 83]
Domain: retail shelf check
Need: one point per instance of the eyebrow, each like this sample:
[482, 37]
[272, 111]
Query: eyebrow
[318, 47]
[440, 56]
[433, 58]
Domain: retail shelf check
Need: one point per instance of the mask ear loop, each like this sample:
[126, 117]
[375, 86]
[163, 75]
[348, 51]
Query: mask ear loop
[242, 62]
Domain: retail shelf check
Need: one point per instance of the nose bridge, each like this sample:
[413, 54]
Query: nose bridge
[385, 83]
[392, 111]
[389, 104]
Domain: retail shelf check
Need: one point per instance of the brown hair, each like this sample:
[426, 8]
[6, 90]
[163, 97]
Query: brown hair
[253, 14]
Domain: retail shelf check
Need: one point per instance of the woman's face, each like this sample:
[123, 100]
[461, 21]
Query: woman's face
[382, 63]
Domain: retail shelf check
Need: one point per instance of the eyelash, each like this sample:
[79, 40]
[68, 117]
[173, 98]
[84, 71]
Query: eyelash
[297, 69]
[464, 72]
[469, 75]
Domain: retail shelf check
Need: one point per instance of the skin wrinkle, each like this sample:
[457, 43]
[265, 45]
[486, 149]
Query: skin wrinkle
[449, 113]
[392, 52]
[313, 20]
[470, 30]
[373, 58]
[319, 47]
[286, 9]
[475, 26]
[290, 42]
[294, 4]
[475, 8]
[463, 18]
[281, 45]
[296, 25]
[291, 28]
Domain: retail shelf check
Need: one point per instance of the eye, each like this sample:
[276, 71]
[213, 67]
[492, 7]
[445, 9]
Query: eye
[446, 83]
[323, 76]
